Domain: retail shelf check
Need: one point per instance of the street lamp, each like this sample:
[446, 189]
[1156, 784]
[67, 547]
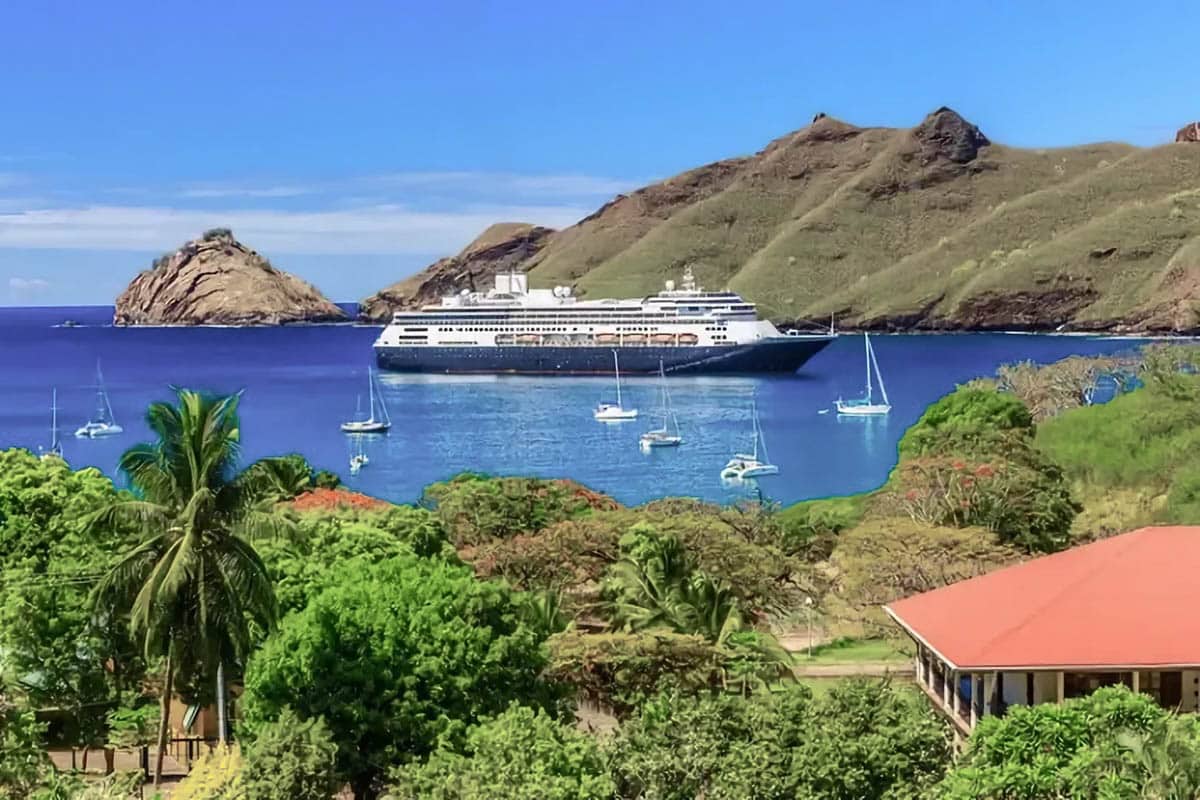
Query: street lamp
[808, 607]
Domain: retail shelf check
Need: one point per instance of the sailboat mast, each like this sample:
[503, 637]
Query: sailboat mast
[879, 377]
[617, 370]
[867, 356]
[371, 394]
[54, 420]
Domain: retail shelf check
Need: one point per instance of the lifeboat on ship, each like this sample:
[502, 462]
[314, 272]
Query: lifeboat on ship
[689, 338]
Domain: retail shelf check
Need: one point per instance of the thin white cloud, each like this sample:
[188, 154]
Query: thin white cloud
[569, 185]
[28, 284]
[385, 229]
[216, 190]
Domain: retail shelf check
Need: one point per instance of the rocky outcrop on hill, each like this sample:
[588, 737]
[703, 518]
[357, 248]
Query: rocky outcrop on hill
[1189, 133]
[504, 246]
[216, 280]
[933, 227]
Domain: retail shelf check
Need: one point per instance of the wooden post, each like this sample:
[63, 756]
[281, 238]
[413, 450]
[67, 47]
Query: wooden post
[989, 690]
[1134, 683]
[947, 686]
[974, 699]
[1060, 688]
[957, 696]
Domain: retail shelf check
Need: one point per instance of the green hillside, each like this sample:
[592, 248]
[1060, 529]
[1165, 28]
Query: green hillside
[933, 227]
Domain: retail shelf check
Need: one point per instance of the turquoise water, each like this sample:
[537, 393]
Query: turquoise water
[300, 383]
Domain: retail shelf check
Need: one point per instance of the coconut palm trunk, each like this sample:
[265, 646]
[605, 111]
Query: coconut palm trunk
[164, 719]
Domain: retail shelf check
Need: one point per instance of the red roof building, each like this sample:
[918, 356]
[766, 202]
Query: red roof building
[1120, 610]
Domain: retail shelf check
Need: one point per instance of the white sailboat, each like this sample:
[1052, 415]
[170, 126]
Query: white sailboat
[371, 424]
[359, 459]
[103, 424]
[743, 466]
[615, 412]
[55, 444]
[866, 406]
[668, 434]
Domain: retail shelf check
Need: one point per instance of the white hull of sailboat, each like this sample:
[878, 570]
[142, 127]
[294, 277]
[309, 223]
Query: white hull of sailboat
[98, 430]
[863, 410]
[660, 439]
[612, 413]
[366, 426]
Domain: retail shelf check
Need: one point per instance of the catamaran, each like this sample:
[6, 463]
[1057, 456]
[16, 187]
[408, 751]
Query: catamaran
[370, 424]
[663, 435]
[866, 406]
[743, 466]
[615, 412]
[55, 444]
[104, 424]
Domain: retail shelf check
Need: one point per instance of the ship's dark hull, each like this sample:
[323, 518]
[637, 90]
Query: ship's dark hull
[785, 354]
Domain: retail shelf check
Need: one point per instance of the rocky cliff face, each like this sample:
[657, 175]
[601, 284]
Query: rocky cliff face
[1189, 133]
[933, 227]
[216, 280]
[503, 246]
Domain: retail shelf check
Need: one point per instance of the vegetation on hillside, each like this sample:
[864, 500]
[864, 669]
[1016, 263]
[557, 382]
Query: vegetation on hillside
[928, 227]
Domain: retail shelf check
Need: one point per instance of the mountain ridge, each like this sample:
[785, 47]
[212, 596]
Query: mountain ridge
[933, 227]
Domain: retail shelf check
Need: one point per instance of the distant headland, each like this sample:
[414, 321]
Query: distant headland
[217, 280]
[928, 228]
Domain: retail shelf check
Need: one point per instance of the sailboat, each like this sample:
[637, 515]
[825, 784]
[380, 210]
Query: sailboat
[103, 424]
[614, 412]
[359, 459]
[751, 466]
[866, 406]
[662, 436]
[370, 424]
[55, 444]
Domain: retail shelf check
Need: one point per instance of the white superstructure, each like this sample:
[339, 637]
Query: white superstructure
[512, 314]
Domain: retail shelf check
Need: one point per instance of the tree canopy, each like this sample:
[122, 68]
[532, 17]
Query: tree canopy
[396, 656]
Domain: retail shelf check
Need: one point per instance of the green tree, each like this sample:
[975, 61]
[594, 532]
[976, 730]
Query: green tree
[303, 564]
[523, 754]
[396, 656]
[194, 584]
[49, 559]
[965, 421]
[23, 761]
[1085, 747]
[290, 759]
[865, 740]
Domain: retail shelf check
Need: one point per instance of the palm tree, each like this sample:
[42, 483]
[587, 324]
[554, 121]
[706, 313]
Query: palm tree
[195, 584]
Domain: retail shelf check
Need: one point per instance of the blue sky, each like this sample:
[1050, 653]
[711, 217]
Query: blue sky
[353, 142]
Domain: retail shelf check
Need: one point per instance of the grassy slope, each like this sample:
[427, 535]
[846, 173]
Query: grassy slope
[861, 222]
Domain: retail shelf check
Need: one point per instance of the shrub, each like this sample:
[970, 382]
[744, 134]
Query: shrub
[966, 421]
[520, 755]
[215, 776]
[290, 759]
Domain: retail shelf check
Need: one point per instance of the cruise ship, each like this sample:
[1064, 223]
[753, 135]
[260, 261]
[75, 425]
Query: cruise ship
[512, 328]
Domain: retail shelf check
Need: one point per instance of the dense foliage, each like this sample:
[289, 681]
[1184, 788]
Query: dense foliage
[49, 559]
[864, 740]
[475, 508]
[290, 759]
[23, 762]
[396, 656]
[324, 544]
[522, 754]
[1113, 744]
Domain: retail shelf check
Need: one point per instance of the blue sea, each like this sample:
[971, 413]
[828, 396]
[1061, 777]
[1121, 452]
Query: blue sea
[299, 383]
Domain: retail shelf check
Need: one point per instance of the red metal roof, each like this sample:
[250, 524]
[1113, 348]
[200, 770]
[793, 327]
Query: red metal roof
[1131, 600]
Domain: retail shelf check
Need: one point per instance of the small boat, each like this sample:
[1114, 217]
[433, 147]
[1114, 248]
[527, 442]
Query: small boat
[615, 412]
[55, 445]
[663, 436]
[370, 424]
[743, 466]
[866, 406]
[359, 459]
[104, 424]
